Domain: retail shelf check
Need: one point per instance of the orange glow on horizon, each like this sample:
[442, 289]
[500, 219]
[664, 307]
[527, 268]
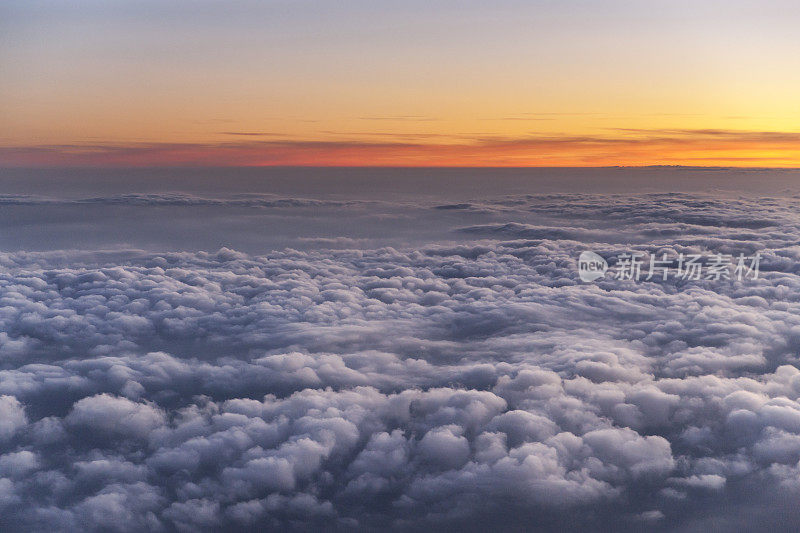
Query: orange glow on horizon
[686, 148]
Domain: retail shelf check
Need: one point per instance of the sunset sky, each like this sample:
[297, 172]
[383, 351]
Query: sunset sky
[506, 83]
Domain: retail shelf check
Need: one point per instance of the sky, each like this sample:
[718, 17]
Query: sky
[362, 83]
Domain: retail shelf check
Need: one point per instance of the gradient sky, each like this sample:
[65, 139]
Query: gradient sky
[544, 83]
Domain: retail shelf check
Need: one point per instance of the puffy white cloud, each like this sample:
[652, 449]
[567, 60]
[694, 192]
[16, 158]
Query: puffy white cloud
[18, 464]
[444, 447]
[104, 413]
[12, 417]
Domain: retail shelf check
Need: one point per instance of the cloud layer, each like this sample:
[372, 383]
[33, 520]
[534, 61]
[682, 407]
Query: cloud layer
[466, 384]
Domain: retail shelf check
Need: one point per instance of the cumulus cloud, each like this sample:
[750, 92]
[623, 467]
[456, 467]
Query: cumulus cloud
[463, 384]
[106, 414]
[12, 417]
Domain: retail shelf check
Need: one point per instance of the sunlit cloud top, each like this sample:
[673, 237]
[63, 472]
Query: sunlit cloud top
[464, 83]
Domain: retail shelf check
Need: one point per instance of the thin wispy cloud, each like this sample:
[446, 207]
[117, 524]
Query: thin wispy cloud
[626, 146]
[252, 133]
[400, 118]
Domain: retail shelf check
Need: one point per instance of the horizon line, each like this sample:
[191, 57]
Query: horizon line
[444, 167]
